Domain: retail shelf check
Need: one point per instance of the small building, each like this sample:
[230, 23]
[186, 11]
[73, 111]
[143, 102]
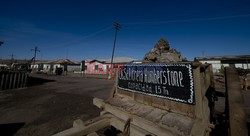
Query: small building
[16, 64]
[103, 66]
[218, 62]
[51, 65]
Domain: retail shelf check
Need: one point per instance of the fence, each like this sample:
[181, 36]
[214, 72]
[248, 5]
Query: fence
[13, 79]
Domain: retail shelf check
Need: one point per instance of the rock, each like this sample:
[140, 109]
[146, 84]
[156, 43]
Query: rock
[162, 53]
[162, 44]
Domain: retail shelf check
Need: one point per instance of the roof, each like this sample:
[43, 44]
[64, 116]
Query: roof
[60, 61]
[115, 60]
[8, 61]
[239, 57]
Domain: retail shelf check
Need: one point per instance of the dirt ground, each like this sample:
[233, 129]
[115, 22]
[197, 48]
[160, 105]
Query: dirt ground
[48, 108]
[53, 106]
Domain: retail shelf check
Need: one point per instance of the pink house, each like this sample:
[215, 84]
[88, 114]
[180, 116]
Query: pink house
[101, 66]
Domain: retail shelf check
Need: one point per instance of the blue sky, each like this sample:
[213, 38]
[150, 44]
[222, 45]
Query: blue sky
[80, 29]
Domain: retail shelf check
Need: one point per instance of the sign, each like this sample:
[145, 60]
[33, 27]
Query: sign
[167, 81]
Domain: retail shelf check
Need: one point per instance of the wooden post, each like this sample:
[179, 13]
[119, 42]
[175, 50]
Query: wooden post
[14, 80]
[198, 93]
[6, 81]
[11, 80]
[21, 80]
[2, 81]
[235, 104]
[23, 76]
[25, 80]
[246, 84]
[18, 80]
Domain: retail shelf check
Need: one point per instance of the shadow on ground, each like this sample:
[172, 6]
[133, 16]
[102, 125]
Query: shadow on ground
[34, 81]
[10, 128]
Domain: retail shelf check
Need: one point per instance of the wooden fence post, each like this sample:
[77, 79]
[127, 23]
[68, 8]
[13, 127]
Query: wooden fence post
[18, 80]
[25, 80]
[2, 81]
[6, 81]
[21, 80]
[11, 80]
[14, 82]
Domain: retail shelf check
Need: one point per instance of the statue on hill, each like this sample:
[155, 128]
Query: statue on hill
[162, 53]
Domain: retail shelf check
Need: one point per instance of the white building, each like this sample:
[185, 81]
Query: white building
[51, 65]
[218, 62]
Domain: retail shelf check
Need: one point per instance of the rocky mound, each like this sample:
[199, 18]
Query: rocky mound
[162, 53]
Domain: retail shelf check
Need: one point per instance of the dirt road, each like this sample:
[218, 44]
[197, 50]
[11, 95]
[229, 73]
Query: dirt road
[53, 106]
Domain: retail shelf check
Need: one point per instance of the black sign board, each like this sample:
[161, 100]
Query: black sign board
[168, 81]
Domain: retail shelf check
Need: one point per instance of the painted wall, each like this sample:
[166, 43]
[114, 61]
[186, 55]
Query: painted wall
[100, 68]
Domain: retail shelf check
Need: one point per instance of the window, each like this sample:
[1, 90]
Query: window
[96, 67]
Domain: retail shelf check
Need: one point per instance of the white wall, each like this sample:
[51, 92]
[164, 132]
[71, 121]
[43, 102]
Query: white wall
[46, 67]
[34, 66]
[56, 66]
[216, 64]
[71, 68]
[246, 66]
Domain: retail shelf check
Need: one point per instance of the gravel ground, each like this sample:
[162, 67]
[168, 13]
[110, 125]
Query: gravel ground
[53, 106]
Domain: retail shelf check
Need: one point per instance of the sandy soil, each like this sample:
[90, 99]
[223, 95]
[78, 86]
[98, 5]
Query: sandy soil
[53, 106]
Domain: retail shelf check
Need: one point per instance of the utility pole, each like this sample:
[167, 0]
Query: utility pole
[12, 58]
[117, 26]
[35, 50]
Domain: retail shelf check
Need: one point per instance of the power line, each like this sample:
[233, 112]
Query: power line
[185, 20]
[81, 39]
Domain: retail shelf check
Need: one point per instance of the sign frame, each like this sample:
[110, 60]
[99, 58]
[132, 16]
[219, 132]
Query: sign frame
[187, 67]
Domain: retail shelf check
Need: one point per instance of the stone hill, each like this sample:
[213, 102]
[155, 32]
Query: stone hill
[162, 53]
